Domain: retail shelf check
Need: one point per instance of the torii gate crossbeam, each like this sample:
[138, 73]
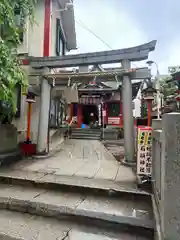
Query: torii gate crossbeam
[133, 54]
[125, 56]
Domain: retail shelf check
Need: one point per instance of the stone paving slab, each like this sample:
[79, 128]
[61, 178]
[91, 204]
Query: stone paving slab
[89, 170]
[107, 172]
[26, 227]
[80, 158]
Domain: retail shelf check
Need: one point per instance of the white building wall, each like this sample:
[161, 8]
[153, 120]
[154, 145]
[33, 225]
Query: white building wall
[33, 45]
[36, 32]
[34, 35]
[54, 15]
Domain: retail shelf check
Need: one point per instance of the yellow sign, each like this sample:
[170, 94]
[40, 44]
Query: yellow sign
[144, 137]
[144, 153]
[24, 90]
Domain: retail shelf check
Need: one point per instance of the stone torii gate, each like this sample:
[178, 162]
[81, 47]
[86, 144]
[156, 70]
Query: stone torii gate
[123, 56]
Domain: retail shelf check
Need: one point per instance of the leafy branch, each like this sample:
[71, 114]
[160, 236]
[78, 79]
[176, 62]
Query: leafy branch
[167, 87]
[11, 74]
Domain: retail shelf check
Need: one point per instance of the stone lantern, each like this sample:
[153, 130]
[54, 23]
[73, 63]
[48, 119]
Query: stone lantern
[176, 78]
[27, 147]
[148, 96]
[30, 99]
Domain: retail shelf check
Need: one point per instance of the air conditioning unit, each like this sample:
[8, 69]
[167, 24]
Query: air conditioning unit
[69, 5]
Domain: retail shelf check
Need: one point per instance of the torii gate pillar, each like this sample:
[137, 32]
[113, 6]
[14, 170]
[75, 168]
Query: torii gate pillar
[43, 117]
[129, 142]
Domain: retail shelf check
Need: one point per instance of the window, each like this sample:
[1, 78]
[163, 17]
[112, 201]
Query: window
[60, 41]
[113, 109]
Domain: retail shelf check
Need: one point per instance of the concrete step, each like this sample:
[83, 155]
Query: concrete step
[70, 183]
[18, 226]
[86, 134]
[127, 210]
[86, 129]
[85, 137]
[94, 134]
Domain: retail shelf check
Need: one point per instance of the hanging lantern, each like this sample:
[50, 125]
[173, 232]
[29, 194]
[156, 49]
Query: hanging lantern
[30, 96]
[148, 93]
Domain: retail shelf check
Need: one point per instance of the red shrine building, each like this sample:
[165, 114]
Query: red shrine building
[101, 101]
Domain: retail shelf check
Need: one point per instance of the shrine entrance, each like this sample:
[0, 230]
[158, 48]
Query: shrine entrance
[89, 114]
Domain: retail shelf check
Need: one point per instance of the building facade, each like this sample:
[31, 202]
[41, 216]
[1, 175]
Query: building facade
[102, 102]
[52, 34]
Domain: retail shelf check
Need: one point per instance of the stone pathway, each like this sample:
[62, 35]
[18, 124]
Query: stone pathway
[80, 158]
[80, 192]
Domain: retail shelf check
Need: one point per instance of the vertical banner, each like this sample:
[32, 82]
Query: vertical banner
[99, 114]
[144, 151]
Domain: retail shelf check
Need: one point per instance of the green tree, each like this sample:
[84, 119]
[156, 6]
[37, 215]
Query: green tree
[11, 73]
[167, 88]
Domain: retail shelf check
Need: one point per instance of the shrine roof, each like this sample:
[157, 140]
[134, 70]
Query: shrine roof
[101, 87]
[94, 86]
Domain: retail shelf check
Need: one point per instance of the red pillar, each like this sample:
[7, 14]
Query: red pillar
[71, 112]
[79, 116]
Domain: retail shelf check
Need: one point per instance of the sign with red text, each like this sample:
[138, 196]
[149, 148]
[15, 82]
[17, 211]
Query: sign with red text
[144, 151]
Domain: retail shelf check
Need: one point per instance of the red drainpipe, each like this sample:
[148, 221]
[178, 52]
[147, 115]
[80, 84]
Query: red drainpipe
[47, 28]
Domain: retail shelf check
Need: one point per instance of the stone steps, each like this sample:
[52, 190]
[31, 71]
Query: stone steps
[128, 212]
[23, 226]
[94, 134]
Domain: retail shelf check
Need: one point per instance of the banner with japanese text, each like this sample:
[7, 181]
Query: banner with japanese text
[144, 151]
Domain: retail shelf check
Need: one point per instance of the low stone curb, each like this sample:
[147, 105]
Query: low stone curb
[59, 212]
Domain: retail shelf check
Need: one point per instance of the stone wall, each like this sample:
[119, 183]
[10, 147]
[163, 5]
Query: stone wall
[166, 175]
[8, 138]
[9, 148]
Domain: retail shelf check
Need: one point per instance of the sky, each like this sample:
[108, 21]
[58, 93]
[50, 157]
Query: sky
[127, 23]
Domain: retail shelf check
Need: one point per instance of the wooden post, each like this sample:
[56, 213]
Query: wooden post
[79, 116]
